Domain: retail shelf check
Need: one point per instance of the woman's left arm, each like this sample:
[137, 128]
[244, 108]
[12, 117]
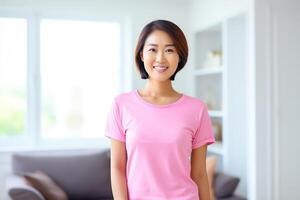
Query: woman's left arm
[198, 172]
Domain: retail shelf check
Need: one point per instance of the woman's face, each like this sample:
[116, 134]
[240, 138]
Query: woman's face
[160, 56]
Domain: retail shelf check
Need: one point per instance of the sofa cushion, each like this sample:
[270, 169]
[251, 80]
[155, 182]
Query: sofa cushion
[83, 174]
[225, 185]
[43, 183]
[18, 189]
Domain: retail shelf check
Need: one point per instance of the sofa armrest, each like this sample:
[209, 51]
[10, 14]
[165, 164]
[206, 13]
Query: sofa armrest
[225, 185]
[17, 189]
[234, 197]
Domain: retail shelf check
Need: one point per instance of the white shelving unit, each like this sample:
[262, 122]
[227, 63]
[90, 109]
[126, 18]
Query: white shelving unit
[209, 78]
[218, 74]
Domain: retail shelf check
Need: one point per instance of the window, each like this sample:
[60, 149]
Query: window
[13, 64]
[77, 69]
[79, 62]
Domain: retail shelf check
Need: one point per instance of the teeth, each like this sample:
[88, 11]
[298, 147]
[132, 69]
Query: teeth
[160, 67]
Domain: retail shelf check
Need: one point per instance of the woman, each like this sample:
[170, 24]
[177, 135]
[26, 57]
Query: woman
[159, 136]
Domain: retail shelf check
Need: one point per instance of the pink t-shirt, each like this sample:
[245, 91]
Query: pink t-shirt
[159, 140]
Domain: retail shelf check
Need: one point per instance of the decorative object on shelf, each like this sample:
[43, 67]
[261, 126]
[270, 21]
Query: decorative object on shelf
[210, 99]
[213, 59]
[217, 131]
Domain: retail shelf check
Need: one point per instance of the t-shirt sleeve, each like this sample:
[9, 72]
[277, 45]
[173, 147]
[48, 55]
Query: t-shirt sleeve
[204, 133]
[114, 128]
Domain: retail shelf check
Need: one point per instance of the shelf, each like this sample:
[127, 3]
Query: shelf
[216, 148]
[215, 113]
[207, 71]
[209, 79]
[219, 69]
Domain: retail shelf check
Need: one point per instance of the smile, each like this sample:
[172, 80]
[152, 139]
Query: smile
[160, 69]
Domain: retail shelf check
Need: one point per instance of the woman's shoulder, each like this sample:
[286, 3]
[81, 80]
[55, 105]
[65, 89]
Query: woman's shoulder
[124, 96]
[194, 100]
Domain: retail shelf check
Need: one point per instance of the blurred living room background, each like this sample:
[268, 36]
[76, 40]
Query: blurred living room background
[62, 62]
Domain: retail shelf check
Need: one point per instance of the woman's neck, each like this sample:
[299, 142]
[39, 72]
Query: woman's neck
[158, 89]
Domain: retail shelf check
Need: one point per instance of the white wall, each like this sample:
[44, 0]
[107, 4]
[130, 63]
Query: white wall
[133, 13]
[236, 115]
[287, 84]
[207, 12]
[276, 51]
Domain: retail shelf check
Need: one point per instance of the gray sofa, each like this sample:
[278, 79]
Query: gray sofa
[83, 175]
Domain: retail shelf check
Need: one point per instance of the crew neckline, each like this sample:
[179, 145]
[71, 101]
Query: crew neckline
[141, 99]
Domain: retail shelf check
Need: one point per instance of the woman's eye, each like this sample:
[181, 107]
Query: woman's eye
[170, 50]
[152, 50]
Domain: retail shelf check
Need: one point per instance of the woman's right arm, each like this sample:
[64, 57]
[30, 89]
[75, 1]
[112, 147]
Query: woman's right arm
[118, 170]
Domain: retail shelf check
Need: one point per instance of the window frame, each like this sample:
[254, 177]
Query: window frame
[31, 139]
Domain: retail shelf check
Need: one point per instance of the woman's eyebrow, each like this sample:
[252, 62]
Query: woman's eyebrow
[167, 45]
[152, 45]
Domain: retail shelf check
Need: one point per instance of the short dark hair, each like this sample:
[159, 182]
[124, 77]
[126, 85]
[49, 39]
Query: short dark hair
[177, 37]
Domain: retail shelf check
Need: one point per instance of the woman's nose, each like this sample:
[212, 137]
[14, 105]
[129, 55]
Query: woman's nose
[160, 57]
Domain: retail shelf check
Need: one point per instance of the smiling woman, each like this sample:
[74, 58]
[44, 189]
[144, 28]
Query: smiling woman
[159, 55]
[158, 135]
[165, 41]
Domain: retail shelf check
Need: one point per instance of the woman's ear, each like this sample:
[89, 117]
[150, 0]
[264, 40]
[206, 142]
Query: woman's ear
[141, 56]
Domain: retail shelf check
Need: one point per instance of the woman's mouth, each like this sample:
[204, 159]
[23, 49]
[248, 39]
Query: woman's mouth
[160, 69]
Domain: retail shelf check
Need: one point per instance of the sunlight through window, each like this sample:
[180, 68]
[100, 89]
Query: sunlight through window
[79, 66]
[13, 64]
